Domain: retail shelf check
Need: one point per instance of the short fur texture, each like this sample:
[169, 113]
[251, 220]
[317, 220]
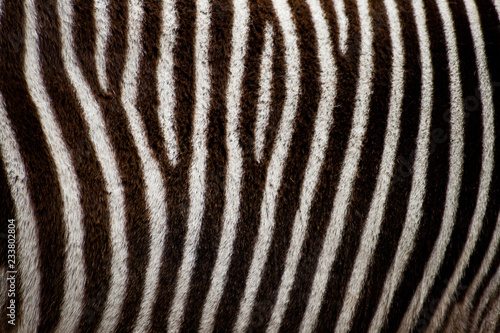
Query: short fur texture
[251, 165]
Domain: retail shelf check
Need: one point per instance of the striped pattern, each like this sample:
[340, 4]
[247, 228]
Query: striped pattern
[269, 165]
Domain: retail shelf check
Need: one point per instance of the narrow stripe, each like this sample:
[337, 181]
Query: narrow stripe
[490, 322]
[27, 234]
[486, 166]
[343, 24]
[373, 223]
[166, 80]
[454, 179]
[462, 311]
[323, 123]
[491, 318]
[155, 190]
[341, 202]
[234, 172]
[106, 157]
[264, 101]
[102, 22]
[74, 272]
[276, 165]
[488, 295]
[417, 194]
[198, 165]
[497, 7]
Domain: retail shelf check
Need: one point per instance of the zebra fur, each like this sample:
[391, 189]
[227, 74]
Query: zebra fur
[264, 165]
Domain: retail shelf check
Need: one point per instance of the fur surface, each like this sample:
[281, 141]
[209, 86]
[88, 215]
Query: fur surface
[250, 165]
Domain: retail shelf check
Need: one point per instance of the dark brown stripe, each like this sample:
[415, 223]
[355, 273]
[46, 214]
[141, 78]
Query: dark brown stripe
[491, 30]
[92, 189]
[253, 180]
[347, 69]
[176, 178]
[117, 43]
[84, 33]
[43, 182]
[295, 163]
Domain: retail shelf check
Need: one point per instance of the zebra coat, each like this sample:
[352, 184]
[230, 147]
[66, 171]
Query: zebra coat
[263, 165]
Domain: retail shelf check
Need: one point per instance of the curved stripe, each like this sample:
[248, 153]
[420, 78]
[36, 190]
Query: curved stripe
[486, 167]
[155, 190]
[264, 102]
[487, 296]
[489, 323]
[102, 23]
[198, 164]
[349, 168]
[234, 170]
[28, 250]
[74, 272]
[417, 194]
[166, 79]
[373, 223]
[462, 311]
[276, 165]
[454, 179]
[343, 24]
[106, 157]
[323, 123]
[497, 7]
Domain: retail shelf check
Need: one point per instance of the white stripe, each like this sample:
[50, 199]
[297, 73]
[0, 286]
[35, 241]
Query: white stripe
[198, 164]
[486, 167]
[454, 179]
[497, 7]
[234, 166]
[74, 272]
[343, 24]
[27, 233]
[490, 321]
[166, 80]
[276, 165]
[488, 295]
[417, 194]
[105, 155]
[154, 188]
[344, 188]
[462, 310]
[264, 102]
[373, 223]
[102, 26]
[323, 123]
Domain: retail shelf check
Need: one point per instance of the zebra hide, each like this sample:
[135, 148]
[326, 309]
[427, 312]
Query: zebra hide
[249, 166]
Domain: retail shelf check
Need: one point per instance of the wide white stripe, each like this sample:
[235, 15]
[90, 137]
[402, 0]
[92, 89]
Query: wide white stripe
[497, 7]
[488, 294]
[166, 80]
[462, 311]
[102, 26]
[454, 179]
[198, 164]
[276, 165]
[28, 252]
[373, 223]
[486, 167]
[323, 123]
[349, 168]
[343, 24]
[264, 102]
[154, 188]
[106, 157]
[74, 272]
[234, 170]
